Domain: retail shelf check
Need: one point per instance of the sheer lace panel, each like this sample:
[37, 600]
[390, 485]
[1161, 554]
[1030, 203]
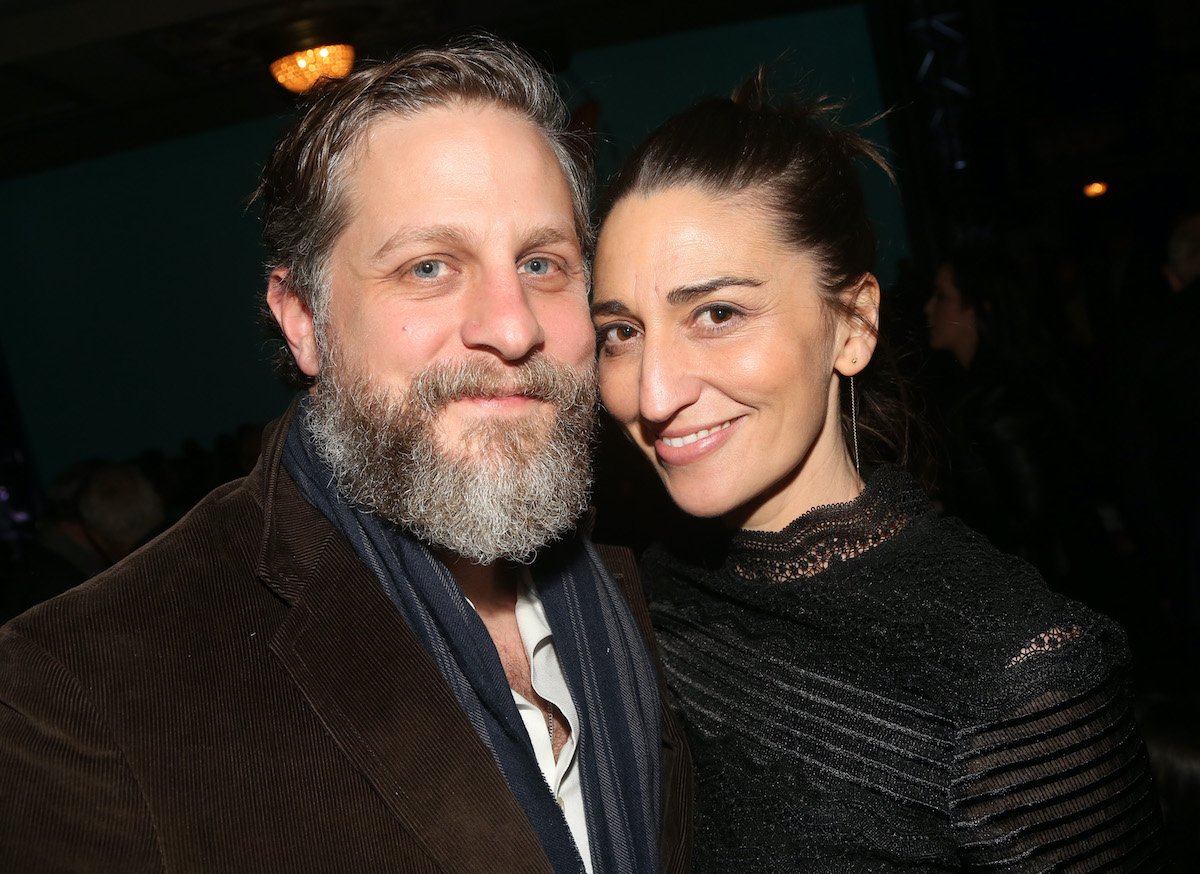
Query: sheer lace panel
[1062, 785]
[1047, 641]
[828, 534]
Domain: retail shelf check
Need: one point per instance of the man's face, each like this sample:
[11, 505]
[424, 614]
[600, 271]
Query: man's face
[455, 391]
[461, 245]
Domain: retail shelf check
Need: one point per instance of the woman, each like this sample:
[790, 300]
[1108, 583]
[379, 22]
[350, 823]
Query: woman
[1014, 471]
[868, 686]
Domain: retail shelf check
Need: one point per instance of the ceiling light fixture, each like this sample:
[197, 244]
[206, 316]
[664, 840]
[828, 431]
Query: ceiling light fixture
[301, 70]
[304, 51]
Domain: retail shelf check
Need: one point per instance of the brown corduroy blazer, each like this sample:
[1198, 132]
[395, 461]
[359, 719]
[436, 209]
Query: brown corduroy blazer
[241, 695]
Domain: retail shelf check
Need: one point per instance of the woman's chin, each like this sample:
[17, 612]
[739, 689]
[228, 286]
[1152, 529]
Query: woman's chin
[708, 506]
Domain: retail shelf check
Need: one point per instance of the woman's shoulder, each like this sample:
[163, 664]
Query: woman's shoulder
[951, 572]
[1003, 632]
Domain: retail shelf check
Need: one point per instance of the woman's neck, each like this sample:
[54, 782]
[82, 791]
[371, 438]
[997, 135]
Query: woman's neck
[828, 477]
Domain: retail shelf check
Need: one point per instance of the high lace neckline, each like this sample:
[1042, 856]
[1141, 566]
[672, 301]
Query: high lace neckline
[829, 534]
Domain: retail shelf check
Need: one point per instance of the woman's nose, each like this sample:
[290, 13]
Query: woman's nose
[669, 381]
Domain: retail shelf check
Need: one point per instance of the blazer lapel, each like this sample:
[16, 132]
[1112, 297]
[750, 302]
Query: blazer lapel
[380, 696]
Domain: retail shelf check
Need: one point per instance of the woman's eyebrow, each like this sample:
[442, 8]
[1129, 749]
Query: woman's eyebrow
[681, 295]
[688, 293]
[610, 308]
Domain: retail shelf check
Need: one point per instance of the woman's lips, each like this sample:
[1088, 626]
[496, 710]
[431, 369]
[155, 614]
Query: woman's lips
[691, 446]
[678, 442]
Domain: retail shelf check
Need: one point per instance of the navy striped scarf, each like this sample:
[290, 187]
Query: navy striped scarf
[604, 659]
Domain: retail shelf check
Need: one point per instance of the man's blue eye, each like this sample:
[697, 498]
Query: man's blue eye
[538, 266]
[428, 269]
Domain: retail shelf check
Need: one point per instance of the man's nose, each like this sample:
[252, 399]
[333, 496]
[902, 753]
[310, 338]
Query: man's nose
[501, 319]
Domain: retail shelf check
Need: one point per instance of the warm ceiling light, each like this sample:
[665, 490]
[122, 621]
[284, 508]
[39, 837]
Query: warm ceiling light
[302, 70]
[1095, 189]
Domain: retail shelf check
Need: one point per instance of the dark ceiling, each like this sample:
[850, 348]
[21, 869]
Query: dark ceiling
[84, 77]
[1058, 88]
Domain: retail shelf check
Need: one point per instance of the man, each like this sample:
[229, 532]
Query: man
[344, 662]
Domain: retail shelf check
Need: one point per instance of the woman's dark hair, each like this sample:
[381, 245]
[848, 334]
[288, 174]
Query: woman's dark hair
[803, 163]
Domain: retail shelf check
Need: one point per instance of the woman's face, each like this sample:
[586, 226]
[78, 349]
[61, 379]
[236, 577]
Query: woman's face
[719, 356]
[951, 325]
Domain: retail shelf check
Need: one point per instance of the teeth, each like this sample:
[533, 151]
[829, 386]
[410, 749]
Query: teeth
[692, 438]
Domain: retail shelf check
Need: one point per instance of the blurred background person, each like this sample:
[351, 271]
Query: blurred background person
[1155, 431]
[97, 513]
[1012, 466]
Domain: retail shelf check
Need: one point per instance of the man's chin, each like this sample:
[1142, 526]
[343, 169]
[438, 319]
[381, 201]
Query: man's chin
[473, 429]
[468, 413]
[500, 405]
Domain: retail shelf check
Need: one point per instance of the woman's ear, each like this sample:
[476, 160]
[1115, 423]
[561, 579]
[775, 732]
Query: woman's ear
[295, 320]
[859, 329]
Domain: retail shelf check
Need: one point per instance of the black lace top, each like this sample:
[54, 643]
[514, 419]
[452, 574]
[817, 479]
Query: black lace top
[876, 688]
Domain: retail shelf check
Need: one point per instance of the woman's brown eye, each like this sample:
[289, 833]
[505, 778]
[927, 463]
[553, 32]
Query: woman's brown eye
[721, 314]
[615, 333]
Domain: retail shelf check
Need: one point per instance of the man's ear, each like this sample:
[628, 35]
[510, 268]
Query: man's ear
[295, 320]
[859, 329]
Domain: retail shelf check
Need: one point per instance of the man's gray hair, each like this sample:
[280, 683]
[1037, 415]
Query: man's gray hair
[302, 189]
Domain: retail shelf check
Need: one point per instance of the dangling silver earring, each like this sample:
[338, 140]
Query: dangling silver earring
[854, 425]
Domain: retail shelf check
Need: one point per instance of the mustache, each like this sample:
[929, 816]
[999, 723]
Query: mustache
[538, 378]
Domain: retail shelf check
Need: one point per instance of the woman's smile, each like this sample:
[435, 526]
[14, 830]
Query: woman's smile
[694, 435]
[693, 446]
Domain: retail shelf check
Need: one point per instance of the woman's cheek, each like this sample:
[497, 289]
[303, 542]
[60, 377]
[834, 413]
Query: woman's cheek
[618, 392]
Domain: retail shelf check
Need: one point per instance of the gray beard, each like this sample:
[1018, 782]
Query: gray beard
[510, 489]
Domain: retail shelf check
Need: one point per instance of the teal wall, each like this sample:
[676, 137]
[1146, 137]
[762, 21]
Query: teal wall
[128, 317]
[824, 52]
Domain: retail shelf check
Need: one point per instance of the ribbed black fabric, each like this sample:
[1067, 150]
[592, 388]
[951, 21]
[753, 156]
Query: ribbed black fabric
[876, 688]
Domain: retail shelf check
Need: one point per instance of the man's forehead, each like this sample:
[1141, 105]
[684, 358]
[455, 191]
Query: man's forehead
[413, 127]
[454, 139]
[456, 175]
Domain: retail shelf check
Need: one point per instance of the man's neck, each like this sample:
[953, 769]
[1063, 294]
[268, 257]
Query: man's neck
[492, 588]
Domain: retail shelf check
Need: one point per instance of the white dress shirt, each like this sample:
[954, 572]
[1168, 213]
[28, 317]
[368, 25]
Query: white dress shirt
[546, 675]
